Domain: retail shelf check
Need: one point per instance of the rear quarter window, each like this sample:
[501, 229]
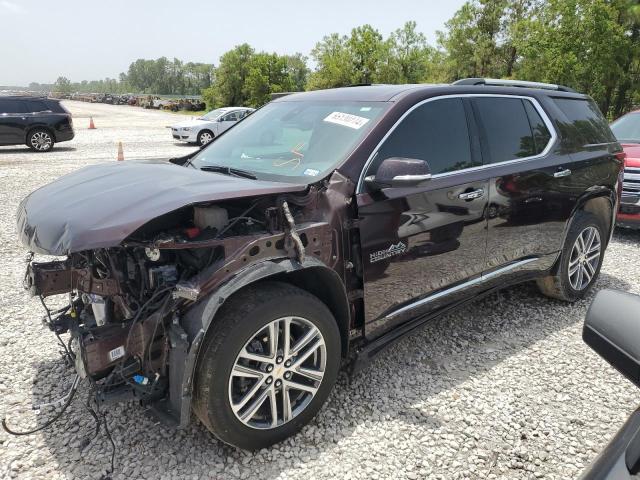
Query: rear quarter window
[55, 107]
[586, 125]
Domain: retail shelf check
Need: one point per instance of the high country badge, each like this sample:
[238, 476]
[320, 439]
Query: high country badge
[395, 249]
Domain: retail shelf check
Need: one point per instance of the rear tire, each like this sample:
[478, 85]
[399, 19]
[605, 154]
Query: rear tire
[40, 140]
[235, 396]
[580, 260]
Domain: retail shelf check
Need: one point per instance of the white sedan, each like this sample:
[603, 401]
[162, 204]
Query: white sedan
[204, 129]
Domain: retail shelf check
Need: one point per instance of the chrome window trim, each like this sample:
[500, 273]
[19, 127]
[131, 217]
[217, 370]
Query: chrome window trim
[534, 102]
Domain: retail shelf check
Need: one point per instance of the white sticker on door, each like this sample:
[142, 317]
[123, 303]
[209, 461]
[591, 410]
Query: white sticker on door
[346, 120]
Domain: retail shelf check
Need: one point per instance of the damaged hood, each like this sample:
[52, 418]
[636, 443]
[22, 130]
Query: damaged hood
[101, 205]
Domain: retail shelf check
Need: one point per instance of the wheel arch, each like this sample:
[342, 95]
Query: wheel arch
[40, 127]
[205, 129]
[602, 207]
[312, 275]
[602, 204]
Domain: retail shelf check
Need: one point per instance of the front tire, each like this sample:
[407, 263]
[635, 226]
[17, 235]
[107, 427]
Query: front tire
[40, 140]
[580, 261]
[204, 137]
[268, 365]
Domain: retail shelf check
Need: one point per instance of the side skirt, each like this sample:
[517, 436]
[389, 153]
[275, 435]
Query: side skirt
[367, 353]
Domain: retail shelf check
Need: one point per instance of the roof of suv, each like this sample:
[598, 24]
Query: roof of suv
[28, 97]
[387, 93]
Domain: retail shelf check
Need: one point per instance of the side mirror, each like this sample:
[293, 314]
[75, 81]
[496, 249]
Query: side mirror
[400, 172]
[612, 330]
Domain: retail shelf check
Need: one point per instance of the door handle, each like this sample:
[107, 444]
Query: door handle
[562, 173]
[471, 195]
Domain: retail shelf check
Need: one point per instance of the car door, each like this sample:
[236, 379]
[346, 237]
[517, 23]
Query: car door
[227, 121]
[531, 196]
[420, 244]
[13, 121]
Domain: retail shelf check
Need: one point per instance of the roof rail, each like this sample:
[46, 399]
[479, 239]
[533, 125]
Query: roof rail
[513, 83]
[275, 96]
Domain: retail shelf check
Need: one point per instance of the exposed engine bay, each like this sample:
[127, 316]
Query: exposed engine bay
[126, 303]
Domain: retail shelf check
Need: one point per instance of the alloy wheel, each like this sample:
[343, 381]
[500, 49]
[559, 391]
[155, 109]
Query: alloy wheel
[277, 373]
[584, 259]
[41, 141]
[205, 137]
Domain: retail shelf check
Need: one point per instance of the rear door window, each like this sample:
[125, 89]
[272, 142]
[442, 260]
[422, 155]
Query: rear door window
[437, 132]
[541, 134]
[55, 106]
[507, 129]
[587, 125]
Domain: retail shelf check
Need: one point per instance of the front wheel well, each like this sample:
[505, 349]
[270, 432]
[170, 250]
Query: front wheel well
[327, 286]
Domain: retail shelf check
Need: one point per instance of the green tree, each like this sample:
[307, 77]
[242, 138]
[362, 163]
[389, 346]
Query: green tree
[367, 50]
[473, 40]
[628, 87]
[579, 43]
[334, 63]
[267, 74]
[406, 57]
[63, 85]
[297, 70]
[231, 75]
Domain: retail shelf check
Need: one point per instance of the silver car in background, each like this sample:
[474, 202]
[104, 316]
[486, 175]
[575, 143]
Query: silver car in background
[204, 129]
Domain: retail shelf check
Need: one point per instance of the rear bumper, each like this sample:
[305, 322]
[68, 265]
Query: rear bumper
[65, 135]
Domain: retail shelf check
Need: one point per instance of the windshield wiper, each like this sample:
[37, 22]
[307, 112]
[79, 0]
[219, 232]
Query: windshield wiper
[229, 171]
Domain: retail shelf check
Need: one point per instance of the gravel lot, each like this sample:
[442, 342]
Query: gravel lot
[504, 388]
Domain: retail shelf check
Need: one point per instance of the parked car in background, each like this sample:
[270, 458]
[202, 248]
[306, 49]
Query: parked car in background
[36, 122]
[204, 129]
[233, 281]
[627, 131]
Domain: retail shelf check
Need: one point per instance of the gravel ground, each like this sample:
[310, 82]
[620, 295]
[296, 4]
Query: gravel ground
[504, 388]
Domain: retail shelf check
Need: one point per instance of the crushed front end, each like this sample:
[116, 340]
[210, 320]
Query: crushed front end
[137, 311]
[120, 303]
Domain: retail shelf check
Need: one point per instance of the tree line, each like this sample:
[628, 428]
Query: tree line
[590, 45]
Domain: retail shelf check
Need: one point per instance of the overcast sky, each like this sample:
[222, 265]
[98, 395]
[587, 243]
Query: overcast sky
[89, 40]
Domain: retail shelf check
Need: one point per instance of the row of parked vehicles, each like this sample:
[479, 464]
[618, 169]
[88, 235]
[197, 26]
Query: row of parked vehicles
[324, 227]
[146, 101]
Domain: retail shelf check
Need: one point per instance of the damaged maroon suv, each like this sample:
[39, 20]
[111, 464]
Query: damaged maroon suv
[233, 282]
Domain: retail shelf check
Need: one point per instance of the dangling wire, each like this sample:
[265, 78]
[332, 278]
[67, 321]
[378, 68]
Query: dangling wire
[69, 398]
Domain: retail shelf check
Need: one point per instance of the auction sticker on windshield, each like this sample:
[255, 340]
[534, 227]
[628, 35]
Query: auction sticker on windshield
[346, 120]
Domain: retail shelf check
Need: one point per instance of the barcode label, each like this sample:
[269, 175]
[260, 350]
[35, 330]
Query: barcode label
[116, 353]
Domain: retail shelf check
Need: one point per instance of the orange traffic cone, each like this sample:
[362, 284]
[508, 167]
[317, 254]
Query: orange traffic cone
[91, 124]
[120, 152]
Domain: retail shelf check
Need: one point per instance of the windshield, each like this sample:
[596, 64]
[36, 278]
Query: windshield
[213, 114]
[285, 140]
[627, 128]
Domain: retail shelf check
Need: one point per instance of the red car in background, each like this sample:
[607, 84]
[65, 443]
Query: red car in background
[627, 131]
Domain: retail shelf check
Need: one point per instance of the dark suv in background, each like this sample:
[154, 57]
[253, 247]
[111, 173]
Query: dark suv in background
[327, 225]
[36, 122]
